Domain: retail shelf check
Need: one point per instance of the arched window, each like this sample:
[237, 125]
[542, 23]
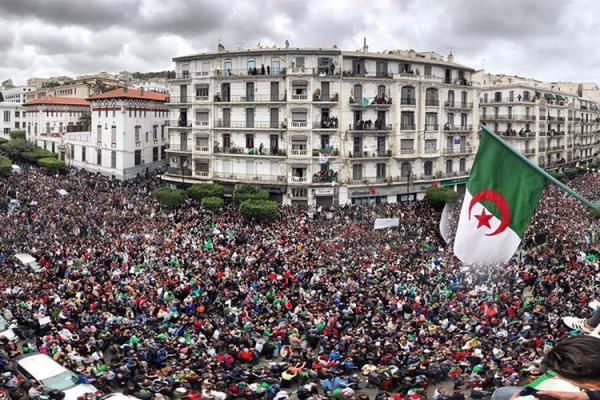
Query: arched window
[464, 97]
[405, 169]
[451, 98]
[428, 168]
[408, 95]
[381, 91]
[431, 97]
[358, 93]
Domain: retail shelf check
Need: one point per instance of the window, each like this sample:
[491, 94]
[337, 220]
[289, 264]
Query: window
[249, 117]
[407, 120]
[358, 93]
[380, 170]
[99, 156]
[405, 169]
[147, 136]
[462, 165]
[155, 132]
[137, 155]
[249, 141]
[163, 152]
[251, 65]
[202, 117]
[99, 134]
[428, 71]
[137, 134]
[275, 65]
[498, 97]
[431, 97]
[162, 132]
[299, 62]
[155, 153]
[83, 153]
[407, 145]
[464, 97]
[324, 141]
[113, 134]
[431, 121]
[430, 145]
[408, 95]
[202, 91]
[226, 141]
[526, 96]
[449, 166]
[299, 115]
[357, 172]
[201, 143]
[17, 114]
[428, 168]
[511, 95]
[113, 159]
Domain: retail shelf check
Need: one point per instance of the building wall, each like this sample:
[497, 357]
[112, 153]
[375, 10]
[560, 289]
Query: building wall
[12, 117]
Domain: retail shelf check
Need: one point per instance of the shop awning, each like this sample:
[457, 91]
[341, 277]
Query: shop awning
[560, 98]
[549, 96]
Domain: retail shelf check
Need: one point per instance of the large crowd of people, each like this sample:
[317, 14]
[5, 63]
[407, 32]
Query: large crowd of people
[187, 303]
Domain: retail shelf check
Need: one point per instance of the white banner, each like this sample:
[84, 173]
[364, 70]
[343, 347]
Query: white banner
[323, 158]
[382, 223]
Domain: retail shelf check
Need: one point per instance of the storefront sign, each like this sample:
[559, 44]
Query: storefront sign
[324, 192]
[452, 182]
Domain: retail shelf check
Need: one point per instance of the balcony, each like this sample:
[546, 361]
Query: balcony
[377, 101]
[249, 125]
[369, 127]
[529, 152]
[299, 152]
[458, 128]
[370, 154]
[326, 123]
[273, 98]
[201, 123]
[326, 176]
[408, 101]
[518, 135]
[181, 77]
[180, 100]
[407, 127]
[332, 151]
[264, 152]
[176, 171]
[430, 151]
[299, 97]
[266, 179]
[260, 72]
[299, 179]
[325, 98]
[299, 124]
[314, 71]
[407, 151]
[458, 151]
[367, 74]
[458, 105]
[181, 123]
[179, 148]
[431, 127]
[432, 103]
[501, 101]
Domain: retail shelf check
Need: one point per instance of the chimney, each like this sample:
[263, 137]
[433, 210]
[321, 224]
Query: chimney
[450, 58]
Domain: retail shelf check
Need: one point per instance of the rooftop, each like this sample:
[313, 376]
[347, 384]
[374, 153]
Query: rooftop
[131, 93]
[71, 101]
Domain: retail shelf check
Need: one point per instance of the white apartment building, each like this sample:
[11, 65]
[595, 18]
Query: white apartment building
[16, 94]
[323, 126]
[553, 128]
[49, 118]
[128, 135]
[12, 117]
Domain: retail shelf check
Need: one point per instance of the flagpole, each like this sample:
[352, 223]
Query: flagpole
[541, 171]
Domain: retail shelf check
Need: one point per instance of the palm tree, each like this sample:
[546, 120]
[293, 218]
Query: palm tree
[85, 121]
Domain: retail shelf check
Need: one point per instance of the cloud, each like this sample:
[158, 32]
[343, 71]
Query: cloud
[550, 39]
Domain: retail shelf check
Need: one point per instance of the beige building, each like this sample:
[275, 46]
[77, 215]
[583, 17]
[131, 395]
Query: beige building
[323, 126]
[553, 124]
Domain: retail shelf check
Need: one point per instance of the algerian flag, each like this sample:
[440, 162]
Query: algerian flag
[502, 193]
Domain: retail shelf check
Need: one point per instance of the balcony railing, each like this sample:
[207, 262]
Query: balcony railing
[181, 147]
[514, 100]
[432, 103]
[332, 98]
[302, 97]
[201, 123]
[299, 152]
[367, 74]
[458, 104]
[251, 72]
[332, 151]
[299, 124]
[273, 98]
[180, 123]
[277, 179]
[430, 151]
[179, 171]
[407, 127]
[454, 128]
[250, 151]
[382, 101]
[329, 123]
[249, 125]
[368, 126]
[430, 127]
[459, 150]
[407, 151]
[408, 101]
[370, 154]
[299, 179]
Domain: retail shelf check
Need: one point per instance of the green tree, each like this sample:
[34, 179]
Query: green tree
[85, 120]
[259, 210]
[212, 203]
[5, 166]
[51, 163]
[17, 135]
[199, 191]
[438, 197]
[248, 192]
[169, 197]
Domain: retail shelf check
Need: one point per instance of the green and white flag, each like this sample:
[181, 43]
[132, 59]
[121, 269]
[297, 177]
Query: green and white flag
[502, 194]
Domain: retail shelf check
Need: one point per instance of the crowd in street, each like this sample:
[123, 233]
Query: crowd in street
[187, 303]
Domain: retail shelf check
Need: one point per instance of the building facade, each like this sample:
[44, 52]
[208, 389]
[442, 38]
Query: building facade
[128, 135]
[323, 126]
[12, 117]
[16, 94]
[48, 119]
[553, 127]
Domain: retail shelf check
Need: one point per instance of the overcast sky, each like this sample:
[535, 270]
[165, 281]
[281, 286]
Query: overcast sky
[545, 39]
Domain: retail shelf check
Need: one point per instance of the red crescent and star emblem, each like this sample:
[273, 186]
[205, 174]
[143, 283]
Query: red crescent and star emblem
[483, 219]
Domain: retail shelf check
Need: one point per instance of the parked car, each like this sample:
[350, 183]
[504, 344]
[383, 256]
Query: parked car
[53, 376]
[7, 330]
